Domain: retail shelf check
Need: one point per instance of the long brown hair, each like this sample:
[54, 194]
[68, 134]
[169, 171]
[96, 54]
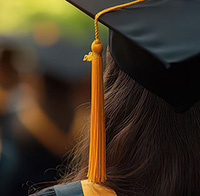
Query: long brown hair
[151, 150]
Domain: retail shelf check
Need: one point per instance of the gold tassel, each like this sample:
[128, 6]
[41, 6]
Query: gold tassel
[97, 153]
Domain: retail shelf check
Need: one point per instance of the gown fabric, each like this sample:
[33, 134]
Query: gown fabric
[78, 188]
[71, 189]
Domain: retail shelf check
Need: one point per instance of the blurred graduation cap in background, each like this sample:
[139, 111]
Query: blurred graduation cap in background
[157, 43]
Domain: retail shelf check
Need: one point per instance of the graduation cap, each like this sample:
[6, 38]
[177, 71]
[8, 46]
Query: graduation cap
[157, 43]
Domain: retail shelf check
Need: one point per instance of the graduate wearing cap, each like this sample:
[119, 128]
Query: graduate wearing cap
[145, 125]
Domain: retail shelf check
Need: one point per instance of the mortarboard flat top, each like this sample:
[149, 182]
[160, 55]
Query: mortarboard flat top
[157, 43]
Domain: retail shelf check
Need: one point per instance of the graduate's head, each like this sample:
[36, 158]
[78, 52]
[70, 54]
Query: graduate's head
[151, 98]
[149, 145]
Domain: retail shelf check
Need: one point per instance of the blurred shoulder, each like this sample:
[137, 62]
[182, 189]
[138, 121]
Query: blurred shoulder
[71, 189]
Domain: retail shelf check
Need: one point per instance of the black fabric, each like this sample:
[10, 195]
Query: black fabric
[177, 83]
[157, 43]
[169, 29]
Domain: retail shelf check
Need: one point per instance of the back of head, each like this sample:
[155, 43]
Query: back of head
[151, 149]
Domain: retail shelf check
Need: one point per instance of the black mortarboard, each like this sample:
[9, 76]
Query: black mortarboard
[157, 43]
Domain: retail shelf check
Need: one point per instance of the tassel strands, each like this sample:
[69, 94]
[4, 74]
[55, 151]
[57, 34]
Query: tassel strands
[97, 153]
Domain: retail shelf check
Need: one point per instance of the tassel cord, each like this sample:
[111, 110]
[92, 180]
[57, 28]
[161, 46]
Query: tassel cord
[97, 16]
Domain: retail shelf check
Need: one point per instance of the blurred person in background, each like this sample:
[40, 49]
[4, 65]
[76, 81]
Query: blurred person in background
[37, 112]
